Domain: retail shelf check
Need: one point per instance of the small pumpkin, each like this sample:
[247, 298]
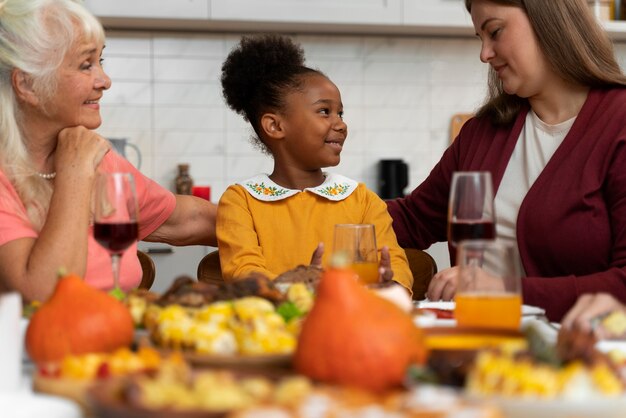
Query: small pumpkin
[77, 319]
[354, 337]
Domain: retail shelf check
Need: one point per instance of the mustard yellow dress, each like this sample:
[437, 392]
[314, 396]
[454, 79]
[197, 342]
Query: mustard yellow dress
[263, 227]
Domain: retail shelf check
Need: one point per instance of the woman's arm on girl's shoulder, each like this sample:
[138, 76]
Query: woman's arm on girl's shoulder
[191, 223]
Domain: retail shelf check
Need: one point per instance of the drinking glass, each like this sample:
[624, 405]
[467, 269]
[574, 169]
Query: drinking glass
[358, 243]
[115, 217]
[489, 285]
[470, 211]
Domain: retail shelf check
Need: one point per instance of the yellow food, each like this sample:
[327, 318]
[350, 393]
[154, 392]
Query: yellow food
[506, 374]
[248, 326]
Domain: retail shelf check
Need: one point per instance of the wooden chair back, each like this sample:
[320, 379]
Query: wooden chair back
[209, 268]
[423, 267]
[456, 123]
[148, 268]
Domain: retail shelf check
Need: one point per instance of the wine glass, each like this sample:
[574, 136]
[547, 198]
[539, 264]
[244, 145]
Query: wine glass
[470, 211]
[115, 218]
[488, 291]
[358, 243]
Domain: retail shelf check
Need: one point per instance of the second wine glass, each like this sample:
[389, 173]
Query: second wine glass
[115, 217]
[470, 211]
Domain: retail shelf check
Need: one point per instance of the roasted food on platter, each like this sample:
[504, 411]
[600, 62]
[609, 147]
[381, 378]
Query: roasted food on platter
[189, 292]
[137, 302]
[308, 275]
[571, 369]
[179, 391]
[244, 326]
[74, 374]
[452, 350]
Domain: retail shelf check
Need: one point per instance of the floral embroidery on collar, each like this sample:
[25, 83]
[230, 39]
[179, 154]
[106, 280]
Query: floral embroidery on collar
[262, 190]
[336, 187]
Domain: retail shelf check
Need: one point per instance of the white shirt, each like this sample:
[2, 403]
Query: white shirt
[535, 146]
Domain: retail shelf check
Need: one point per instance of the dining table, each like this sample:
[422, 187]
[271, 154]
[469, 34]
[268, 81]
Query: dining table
[26, 403]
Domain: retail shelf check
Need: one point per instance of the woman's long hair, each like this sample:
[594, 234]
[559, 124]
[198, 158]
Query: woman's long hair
[573, 42]
[35, 36]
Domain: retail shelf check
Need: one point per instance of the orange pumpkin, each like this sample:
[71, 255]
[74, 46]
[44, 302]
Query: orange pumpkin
[77, 319]
[354, 337]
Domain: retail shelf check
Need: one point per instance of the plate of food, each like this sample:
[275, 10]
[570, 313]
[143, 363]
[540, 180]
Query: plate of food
[238, 361]
[248, 331]
[449, 305]
[217, 393]
[610, 407]
[569, 379]
[71, 377]
[177, 391]
[428, 313]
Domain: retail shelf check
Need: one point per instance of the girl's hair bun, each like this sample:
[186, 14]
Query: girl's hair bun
[256, 63]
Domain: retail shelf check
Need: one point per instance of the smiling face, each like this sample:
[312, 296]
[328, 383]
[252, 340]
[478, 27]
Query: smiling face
[313, 124]
[81, 82]
[510, 46]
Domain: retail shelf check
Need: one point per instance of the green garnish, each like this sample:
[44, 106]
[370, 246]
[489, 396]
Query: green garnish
[289, 310]
[118, 294]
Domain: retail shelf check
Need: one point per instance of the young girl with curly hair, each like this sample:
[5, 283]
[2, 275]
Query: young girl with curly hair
[271, 223]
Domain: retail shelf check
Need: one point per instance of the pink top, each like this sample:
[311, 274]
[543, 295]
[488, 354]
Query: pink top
[155, 203]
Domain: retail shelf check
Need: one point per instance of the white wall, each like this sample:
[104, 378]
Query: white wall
[399, 94]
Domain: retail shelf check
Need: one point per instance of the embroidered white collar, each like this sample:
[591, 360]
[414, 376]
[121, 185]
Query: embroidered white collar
[335, 187]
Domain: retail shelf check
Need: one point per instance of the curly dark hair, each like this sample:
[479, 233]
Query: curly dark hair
[257, 75]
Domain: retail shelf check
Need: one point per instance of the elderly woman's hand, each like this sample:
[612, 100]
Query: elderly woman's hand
[590, 308]
[79, 150]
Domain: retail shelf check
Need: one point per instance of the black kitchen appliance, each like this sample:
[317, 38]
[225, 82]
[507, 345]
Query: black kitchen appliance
[393, 177]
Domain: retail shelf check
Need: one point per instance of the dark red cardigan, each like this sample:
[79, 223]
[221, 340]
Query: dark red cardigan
[571, 226]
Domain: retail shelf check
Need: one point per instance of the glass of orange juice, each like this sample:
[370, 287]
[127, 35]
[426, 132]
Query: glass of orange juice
[358, 243]
[489, 285]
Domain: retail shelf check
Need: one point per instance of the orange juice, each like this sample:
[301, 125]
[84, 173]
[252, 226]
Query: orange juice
[488, 310]
[367, 272]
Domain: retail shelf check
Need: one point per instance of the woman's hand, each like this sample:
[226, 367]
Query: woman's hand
[79, 150]
[588, 309]
[443, 284]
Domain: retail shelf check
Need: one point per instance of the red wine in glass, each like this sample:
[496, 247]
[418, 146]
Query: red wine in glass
[461, 231]
[115, 218]
[470, 208]
[115, 237]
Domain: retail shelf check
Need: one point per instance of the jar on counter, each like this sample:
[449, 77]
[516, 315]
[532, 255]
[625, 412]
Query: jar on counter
[184, 182]
[602, 9]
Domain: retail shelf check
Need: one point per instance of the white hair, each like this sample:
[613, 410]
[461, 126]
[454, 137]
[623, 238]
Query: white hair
[35, 36]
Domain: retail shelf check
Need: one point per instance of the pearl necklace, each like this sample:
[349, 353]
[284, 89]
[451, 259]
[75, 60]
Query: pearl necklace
[47, 176]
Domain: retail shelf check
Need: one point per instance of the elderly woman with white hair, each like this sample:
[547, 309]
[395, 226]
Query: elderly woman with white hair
[51, 83]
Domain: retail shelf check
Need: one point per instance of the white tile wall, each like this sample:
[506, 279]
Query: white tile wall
[399, 95]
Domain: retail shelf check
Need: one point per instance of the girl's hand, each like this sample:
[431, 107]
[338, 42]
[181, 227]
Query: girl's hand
[79, 150]
[384, 267]
[316, 258]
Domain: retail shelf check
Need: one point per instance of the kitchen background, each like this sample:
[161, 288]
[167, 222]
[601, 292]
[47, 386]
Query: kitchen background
[399, 94]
